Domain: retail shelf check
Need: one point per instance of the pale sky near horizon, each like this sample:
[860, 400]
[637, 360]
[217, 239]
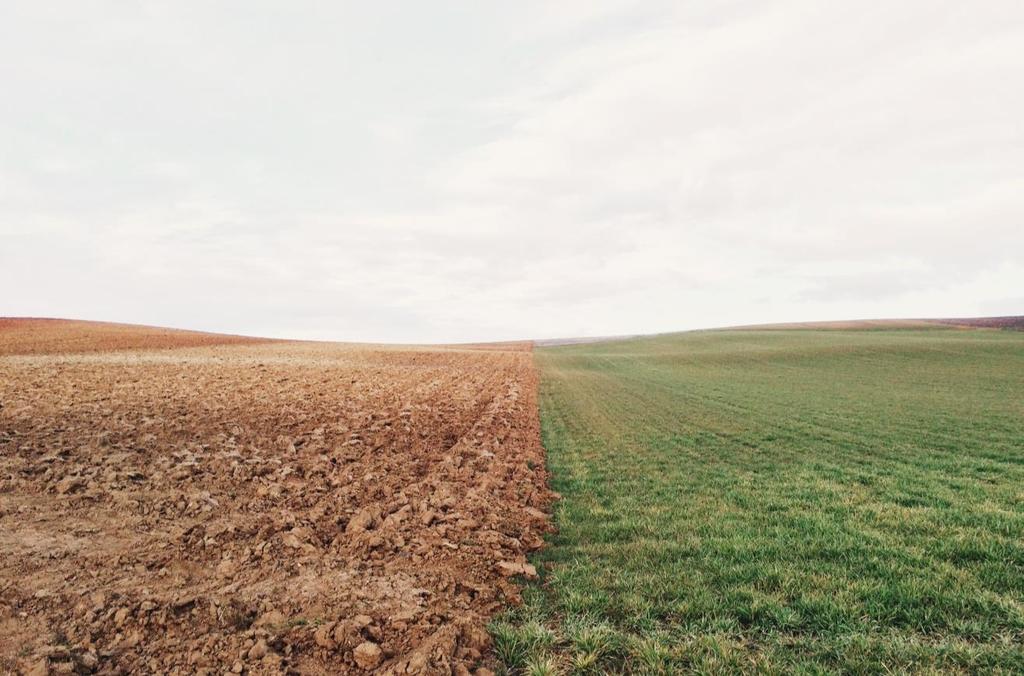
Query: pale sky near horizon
[457, 171]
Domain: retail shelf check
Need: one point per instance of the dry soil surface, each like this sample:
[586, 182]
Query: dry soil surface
[260, 507]
[25, 335]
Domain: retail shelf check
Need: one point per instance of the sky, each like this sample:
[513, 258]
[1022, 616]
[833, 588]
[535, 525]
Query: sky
[464, 171]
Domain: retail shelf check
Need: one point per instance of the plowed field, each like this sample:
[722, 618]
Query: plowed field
[177, 504]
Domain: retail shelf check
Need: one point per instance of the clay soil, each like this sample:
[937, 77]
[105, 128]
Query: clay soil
[184, 503]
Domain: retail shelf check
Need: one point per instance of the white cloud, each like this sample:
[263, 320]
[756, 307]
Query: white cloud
[462, 172]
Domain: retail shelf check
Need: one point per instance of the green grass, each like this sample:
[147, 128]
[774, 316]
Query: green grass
[781, 502]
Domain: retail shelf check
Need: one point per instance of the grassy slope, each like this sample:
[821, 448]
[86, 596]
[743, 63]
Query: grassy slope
[809, 501]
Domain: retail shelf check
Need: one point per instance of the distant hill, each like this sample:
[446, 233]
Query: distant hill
[1016, 322]
[31, 335]
[1012, 323]
[553, 342]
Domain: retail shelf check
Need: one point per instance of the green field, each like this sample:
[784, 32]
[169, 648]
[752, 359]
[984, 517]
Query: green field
[781, 502]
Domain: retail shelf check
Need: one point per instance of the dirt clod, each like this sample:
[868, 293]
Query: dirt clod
[367, 655]
[510, 568]
[258, 651]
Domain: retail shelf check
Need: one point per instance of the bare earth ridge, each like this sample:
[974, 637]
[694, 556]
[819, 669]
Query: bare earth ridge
[173, 502]
[25, 335]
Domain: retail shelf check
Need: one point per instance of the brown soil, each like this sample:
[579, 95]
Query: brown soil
[260, 507]
[54, 336]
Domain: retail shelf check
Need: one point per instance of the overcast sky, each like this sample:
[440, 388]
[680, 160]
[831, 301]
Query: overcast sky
[446, 171]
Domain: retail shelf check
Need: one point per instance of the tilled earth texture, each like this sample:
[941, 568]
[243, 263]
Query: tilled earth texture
[180, 503]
